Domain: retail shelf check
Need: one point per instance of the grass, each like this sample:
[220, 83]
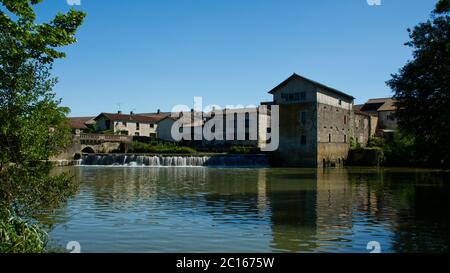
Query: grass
[159, 147]
[17, 236]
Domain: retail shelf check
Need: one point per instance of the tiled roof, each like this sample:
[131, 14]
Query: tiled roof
[381, 104]
[130, 118]
[79, 122]
[389, 105]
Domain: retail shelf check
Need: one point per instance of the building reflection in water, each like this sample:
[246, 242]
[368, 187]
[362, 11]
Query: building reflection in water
[287, 210]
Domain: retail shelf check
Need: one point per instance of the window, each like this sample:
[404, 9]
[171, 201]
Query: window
[303, 117]
[303, 140]
[152, 125]
[291, 97]
[136, 134]
[303, 96]
[340, 102]
[124, 123]
[297, 96]
[329, 138]
[345, 138]
[137, 126]
[108, 124]
[345, 119]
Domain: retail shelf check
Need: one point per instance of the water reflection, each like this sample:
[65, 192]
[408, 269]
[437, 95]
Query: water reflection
[255, 210]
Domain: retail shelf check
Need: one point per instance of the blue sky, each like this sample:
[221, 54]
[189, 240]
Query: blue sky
[149, 55]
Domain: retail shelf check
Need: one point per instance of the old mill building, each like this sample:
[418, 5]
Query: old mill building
[317, 123]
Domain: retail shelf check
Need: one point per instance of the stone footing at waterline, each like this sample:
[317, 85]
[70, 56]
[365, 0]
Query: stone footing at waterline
[186, 160]
[64, 163]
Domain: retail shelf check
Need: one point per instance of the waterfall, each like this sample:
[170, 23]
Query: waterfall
[173, 161]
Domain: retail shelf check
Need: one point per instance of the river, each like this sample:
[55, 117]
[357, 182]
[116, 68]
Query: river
[198, 209]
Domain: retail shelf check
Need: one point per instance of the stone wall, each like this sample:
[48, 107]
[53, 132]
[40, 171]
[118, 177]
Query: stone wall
[291, 151]
[362, 131]
[335, 129]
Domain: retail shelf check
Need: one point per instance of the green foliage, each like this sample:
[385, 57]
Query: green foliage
[443, 6]
[354, 144]
[109, 132]
[158, 147]
[376, 142]
[17, 236]
[401, 151]
[365, 156]
[398, 151]
[422, 88]
[32, 122]
[243, 150]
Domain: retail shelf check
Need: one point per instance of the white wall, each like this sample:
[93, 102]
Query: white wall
[329, 98]
[164, 129]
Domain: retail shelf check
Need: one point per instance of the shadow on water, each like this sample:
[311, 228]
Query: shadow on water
[255, 210]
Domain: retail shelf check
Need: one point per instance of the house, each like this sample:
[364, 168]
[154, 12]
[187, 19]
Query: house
[385, 109]
[81, 124]
[364, 126]
[157, 114]
[241, 120]
[316, 123]
[129, 125]
[195, 127]
[240, 126]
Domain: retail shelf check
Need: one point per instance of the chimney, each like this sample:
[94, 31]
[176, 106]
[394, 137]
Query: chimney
[119, 112]
[131, 113]
[159, 112]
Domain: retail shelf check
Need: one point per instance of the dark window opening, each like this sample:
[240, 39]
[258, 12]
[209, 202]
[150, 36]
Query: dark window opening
[303, 96]
[329, 138]
[303, 118]
[303, 140]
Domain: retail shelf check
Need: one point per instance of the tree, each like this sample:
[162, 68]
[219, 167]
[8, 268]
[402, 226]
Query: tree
[422, 88]
[32, 121]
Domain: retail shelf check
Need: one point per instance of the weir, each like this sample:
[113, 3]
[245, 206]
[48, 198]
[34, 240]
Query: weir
[174, 161]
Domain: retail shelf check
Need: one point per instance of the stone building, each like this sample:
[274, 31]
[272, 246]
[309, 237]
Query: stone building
[384, 109]
[236, 127]
[80, 125]
[128, 125]
[316, 123]
[365, 126]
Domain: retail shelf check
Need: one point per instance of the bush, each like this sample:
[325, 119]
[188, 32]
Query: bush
[372, 156]
[17, 236]
[400, 151]
[158, 147]
[243, 150]
[376, 142]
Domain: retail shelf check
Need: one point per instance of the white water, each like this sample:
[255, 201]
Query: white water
[173, 161]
